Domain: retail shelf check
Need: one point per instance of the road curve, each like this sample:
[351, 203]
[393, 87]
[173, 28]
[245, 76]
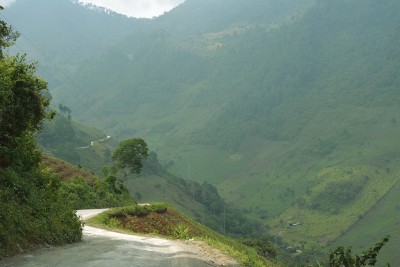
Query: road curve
[104, 248]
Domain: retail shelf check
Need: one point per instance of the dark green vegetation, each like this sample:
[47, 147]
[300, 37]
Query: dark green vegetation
[83, 190]
[163, 220]
[80, 27]
[129, 156]
[201, 201]
[344, 257]
[95, 193]
[71, 141]
[37, 206]
[375, 224]
[289, 109]
[32, 211]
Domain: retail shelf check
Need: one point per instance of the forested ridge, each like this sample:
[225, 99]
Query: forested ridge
[290, 110]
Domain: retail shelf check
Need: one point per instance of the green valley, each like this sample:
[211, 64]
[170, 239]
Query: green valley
[287, 111]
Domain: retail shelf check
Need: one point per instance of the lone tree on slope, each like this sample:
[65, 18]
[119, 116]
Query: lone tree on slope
[130, 155]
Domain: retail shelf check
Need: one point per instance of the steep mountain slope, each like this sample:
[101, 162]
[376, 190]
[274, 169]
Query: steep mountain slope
[89, 148]
[77, 143]
[291, 110]
[60, 34]
[275, 115]
[207, 16]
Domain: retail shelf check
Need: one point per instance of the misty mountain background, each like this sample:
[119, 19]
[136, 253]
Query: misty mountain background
[289, 107]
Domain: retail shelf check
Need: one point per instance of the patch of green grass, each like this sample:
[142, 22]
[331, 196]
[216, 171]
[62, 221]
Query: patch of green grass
[321, 226]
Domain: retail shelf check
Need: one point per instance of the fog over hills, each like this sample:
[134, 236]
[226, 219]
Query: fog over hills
[289, 107]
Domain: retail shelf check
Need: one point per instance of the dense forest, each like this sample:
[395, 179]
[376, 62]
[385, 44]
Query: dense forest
[289, 110]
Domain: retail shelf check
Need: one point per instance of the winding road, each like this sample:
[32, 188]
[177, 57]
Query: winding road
[104, 248]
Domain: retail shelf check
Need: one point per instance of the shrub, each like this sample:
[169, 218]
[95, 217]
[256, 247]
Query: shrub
[181, 231]
[341, 257]
[33, 213]
[83, 193]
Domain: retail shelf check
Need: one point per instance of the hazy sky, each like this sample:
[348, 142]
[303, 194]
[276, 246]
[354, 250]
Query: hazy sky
[131, 8]
[6, 3]
[137, 8]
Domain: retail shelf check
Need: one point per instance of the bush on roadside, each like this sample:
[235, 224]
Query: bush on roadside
[33, 213]
[83, 193]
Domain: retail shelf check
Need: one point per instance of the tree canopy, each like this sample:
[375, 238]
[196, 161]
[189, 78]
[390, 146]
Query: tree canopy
[129, 156]
[344, 257]
[7, 35]
[23, 105]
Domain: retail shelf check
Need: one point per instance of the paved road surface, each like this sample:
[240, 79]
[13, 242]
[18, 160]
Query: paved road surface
[103, 248]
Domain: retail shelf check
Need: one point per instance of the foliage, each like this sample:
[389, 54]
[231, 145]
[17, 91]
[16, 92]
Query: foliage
[222, 217]
[83, 190]
[22, 101]
[170, 223]
[263, 246]
[113, 223]
[258, 102]
[337, 195]
[377, 223]
[71, 141]
[122, 214]
[112, 217]
[343, 257]
[201, 201]
[82, 193]
[181, 231]
[65, 111]
[323, 92]
[23, 107]
[7, 35]
[322, 225]
[129, 156]
[32, 212]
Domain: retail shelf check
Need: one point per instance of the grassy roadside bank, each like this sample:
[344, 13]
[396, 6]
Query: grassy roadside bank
[161, 220]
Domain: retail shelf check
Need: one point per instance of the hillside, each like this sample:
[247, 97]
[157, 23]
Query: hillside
[162, 220]
[291, 110]
[77, 143]
[84, 33]
[89, 151]
[81, 189]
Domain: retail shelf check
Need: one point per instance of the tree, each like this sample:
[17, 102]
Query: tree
[65, 111]
[32, 211]
[7, 35]
[23, 105]
[129, 156]
[344, 258]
